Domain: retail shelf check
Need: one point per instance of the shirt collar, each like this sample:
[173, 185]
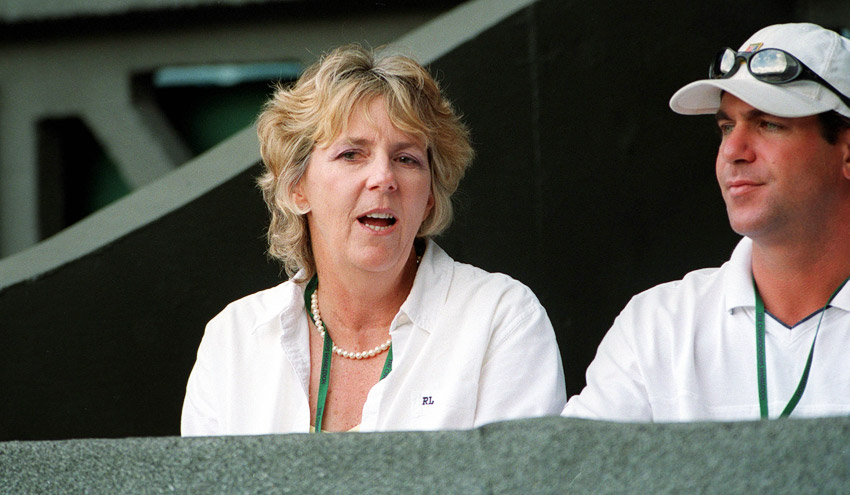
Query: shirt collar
[738, 280]
[842, 299]
[430, 287]
[283, 303]
[738, 277]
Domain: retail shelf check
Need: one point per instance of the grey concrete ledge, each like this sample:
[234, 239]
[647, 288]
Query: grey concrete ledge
[546, 455]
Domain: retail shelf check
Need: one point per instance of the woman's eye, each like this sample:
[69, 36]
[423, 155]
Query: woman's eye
[348, 155]
[408, 160]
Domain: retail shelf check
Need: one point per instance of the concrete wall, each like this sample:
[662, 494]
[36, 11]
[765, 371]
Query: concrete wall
[551, 455]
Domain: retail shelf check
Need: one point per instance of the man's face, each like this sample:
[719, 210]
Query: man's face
[779, 177]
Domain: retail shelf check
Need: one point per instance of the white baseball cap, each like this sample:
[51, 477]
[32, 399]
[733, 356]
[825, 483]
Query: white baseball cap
[823, 51]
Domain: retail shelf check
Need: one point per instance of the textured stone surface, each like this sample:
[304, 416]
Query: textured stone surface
[548, 455]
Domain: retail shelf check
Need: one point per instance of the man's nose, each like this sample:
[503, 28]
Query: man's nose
[736, 145]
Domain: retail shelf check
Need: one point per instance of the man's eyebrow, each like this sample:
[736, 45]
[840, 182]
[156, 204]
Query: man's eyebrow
[755, 113]
[721, 115]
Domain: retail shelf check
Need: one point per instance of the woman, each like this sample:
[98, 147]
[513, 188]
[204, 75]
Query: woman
[362, 155]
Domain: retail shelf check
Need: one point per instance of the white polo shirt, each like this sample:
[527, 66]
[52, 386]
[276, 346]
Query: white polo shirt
[469, 348]
[686, 351]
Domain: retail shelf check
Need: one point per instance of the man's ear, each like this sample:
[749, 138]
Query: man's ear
[844, 141]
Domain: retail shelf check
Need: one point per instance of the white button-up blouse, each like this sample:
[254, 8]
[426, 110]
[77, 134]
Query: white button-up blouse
[469, 348]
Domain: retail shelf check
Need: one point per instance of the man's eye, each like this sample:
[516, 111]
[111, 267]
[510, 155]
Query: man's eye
[771, 126]
[725, 129]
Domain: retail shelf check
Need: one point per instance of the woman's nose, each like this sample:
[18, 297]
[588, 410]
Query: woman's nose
[382, 174]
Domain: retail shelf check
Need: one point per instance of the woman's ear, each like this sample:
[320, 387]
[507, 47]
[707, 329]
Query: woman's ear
[299, 199]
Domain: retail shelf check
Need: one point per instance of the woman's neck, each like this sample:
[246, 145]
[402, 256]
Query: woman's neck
[356, 305]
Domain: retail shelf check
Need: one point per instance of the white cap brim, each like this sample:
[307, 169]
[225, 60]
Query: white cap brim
[703, 97]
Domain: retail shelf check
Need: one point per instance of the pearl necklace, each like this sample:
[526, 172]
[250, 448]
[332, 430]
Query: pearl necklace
[320, 327]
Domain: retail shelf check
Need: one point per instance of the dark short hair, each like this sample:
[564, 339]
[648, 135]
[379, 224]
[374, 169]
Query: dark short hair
[832, 124]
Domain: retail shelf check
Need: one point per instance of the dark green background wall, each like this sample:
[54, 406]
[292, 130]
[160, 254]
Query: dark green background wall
[586, 187]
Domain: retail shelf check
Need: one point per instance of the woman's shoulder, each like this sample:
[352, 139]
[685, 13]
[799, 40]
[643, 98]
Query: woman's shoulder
[474, 283]
[472, 276]
[259, 307]
[485, 304]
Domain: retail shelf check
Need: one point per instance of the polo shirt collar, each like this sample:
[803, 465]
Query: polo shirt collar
[738, 277]
[842, 299]
[738, 280]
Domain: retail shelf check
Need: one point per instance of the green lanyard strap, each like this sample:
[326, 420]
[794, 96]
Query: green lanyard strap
[761, 360]
[327, 354]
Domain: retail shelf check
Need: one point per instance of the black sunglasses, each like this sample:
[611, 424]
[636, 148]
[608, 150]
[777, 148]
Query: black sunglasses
[770, 65]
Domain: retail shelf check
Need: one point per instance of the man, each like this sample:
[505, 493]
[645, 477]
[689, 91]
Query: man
[768, 333]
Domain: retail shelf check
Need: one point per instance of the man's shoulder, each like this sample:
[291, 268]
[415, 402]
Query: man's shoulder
[705, 284]
[673, 310]
[694, 286]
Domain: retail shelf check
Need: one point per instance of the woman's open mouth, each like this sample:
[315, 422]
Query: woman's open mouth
[377, 221]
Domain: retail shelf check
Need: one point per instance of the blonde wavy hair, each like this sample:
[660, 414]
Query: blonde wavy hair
[315, 110]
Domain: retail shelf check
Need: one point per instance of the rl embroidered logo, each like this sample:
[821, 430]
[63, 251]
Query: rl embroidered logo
[427, 401]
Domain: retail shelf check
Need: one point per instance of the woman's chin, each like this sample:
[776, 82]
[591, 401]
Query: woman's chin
[377, 259]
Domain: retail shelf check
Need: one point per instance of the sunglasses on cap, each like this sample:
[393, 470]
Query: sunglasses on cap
[770, 65]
